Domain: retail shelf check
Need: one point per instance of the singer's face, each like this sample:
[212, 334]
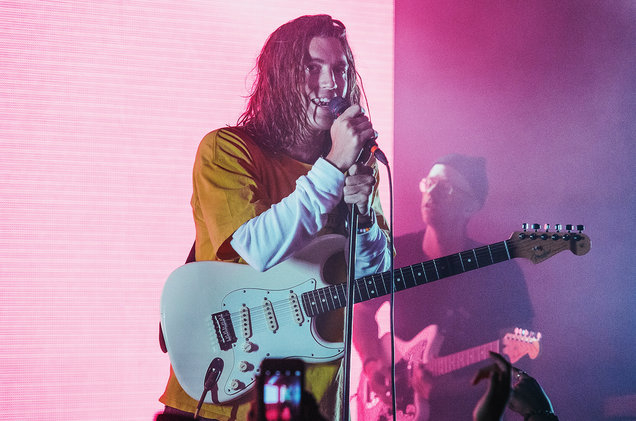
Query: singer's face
[325, 78]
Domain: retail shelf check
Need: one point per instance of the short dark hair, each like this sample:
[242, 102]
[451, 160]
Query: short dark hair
[275, 114]
[473, 169]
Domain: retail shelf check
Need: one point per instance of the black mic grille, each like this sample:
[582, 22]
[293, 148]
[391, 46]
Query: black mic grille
[338, 105]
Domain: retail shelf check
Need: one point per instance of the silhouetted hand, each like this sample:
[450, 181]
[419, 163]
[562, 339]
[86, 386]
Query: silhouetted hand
[492, 404]
[528, 396]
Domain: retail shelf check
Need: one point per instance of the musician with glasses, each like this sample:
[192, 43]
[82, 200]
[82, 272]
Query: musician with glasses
[469, 309]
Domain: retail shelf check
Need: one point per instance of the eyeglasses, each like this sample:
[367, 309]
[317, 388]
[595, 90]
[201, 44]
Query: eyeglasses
[444, 187]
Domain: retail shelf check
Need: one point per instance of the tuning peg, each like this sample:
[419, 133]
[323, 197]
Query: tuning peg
[580, 227]
[525, 226]
[545, 236]
[568, 227]
[535, 227]
[558, 227]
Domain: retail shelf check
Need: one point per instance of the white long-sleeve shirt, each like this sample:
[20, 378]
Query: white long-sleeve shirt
[291, 224]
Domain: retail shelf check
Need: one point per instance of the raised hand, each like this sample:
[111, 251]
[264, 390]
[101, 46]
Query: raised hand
[528, 397]
[349, 133]
[492, 404]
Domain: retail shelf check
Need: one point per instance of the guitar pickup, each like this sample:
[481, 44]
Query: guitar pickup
[246, 323]
[224, 330]
[270, 317]
[295, 305]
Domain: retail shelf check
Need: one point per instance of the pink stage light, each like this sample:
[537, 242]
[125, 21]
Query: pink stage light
[103, 105]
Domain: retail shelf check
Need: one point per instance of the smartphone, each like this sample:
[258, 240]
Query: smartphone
[280, 389]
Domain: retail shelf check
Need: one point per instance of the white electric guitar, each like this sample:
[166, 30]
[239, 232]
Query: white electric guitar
[225, 318]
[423, 349]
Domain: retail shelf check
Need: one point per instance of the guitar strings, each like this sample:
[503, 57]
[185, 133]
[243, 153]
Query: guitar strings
[284, 313]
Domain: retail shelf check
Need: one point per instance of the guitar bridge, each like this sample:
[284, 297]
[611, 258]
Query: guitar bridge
[224, 330]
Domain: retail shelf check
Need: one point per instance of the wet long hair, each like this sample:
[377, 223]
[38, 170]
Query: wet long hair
[276, 113]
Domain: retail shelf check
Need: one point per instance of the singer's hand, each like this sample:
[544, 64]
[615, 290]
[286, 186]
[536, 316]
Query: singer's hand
[358, 188]
[349, 133]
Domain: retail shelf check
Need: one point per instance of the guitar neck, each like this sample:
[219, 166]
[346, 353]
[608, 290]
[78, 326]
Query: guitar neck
[452, 362]
[332, 297]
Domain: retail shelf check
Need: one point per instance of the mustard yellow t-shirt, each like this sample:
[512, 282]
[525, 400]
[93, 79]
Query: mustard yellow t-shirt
[234, 181]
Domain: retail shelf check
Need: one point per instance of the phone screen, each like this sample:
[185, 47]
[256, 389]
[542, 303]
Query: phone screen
[281, 393]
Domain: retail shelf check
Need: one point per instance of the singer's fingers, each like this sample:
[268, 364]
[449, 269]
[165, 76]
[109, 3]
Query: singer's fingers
[353, 193]
[360, 169]
[353, 181]
[353, 111]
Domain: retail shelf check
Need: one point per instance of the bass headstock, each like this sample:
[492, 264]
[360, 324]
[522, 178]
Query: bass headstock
[537, 246]
[520, 343]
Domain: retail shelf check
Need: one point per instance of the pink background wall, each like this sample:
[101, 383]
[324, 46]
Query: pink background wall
[102, 107]
[546, 91]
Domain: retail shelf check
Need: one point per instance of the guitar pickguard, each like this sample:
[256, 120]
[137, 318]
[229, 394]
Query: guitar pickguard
[221, 310]
[276, 331]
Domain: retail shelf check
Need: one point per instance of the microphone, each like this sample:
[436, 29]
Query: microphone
[337, 106]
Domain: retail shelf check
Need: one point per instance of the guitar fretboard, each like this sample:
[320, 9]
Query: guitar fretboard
[452, 362]
[332, 297]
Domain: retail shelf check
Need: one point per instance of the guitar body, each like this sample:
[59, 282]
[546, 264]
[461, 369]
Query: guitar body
[262, 318]
[410, 406]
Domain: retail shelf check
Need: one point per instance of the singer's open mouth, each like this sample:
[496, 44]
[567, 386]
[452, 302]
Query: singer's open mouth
[321, 102]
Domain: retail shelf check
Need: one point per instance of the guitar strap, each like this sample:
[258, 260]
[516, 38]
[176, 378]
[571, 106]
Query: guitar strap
[162, 342]
[191, 257]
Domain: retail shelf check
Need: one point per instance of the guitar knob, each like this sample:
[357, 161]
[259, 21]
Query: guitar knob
[244, 366]
[248, 346]
[237, 384]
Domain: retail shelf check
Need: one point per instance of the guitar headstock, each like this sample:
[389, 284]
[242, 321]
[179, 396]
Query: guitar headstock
[521, 342]
[536, 245]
